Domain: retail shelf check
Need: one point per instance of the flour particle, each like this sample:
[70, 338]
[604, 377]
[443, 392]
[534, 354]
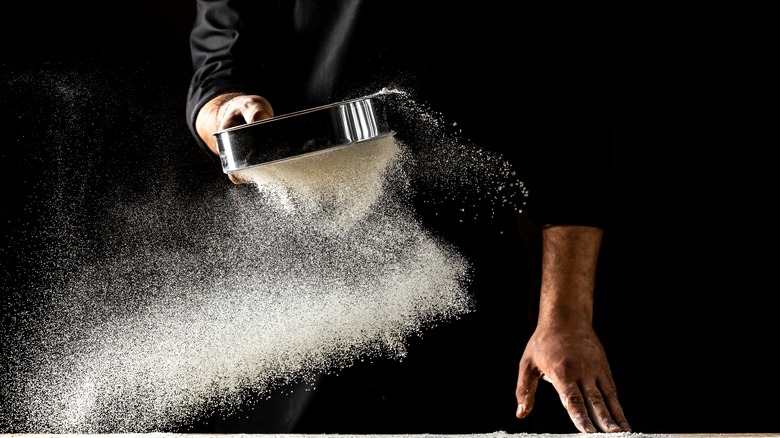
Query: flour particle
[177, 304]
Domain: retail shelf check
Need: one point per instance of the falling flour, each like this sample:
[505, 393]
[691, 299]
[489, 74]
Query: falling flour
[190, 301]
[335, 189]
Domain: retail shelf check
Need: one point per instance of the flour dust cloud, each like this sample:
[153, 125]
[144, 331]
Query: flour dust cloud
[165, 302]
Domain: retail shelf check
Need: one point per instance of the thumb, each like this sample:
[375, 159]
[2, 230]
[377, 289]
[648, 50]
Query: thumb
[525, 393]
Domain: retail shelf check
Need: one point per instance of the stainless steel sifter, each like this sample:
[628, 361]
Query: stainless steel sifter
[302, 133]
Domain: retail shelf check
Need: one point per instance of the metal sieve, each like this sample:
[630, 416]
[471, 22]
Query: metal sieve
[302, 133]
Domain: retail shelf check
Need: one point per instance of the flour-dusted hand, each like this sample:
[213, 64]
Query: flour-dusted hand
[574, 361]
[564, 349]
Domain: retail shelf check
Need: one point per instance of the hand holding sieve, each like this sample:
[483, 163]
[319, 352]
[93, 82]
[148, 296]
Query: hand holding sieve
[302, 133]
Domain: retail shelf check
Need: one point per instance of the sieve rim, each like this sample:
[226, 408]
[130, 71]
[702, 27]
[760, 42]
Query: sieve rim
[302, 133]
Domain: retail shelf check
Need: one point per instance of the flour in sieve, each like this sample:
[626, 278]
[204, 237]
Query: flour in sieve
[335, 188]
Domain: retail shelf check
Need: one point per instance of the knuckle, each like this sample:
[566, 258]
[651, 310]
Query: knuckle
[596, 400]
[575, 400]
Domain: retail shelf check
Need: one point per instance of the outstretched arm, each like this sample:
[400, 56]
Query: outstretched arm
[564, 349]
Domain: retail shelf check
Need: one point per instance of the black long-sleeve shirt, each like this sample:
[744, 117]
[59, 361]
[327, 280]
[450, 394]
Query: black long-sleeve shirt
[528, 83]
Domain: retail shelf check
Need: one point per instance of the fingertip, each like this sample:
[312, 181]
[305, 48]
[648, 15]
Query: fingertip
[237, 179]
[613, 428]
[259, 115]
[584, 425]
[521, 412]
[525, 400]
[525, 405]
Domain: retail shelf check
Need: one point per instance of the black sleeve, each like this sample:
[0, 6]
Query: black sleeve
[226, 44]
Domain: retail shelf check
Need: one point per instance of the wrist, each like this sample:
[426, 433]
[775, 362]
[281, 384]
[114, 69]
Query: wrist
[566, 317]
[208, 119]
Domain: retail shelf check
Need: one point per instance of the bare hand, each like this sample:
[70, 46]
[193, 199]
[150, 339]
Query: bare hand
[574, 361]
[242, 109]
[227, 111]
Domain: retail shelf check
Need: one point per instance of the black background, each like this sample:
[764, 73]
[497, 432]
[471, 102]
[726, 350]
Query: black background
[686, 308]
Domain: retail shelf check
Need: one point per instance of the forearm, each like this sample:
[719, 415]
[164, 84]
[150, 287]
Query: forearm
[569, 260]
